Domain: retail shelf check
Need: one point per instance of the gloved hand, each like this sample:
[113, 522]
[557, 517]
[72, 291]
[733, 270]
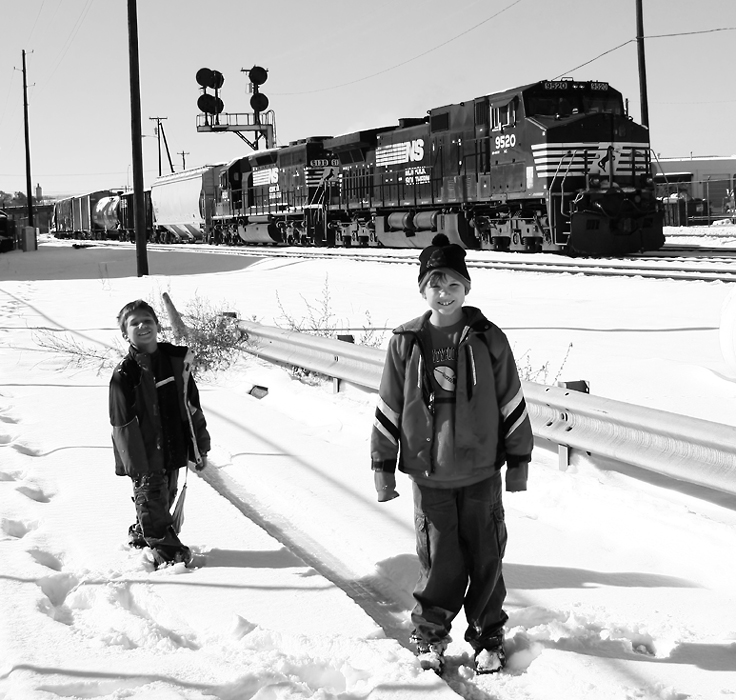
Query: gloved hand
[516, 477]
[203, 456]
[385, 483]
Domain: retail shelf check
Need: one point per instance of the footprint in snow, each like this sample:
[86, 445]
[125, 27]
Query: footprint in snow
[46, 559]
[35, 494]
[16, 528]
[25, 449]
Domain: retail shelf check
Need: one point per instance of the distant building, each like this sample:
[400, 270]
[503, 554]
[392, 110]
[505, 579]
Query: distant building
[42, 214]
[708, 181]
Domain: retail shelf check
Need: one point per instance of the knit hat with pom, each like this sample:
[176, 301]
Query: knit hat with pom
[443, 256]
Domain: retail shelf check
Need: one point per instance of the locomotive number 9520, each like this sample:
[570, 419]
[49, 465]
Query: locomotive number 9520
[505, 141]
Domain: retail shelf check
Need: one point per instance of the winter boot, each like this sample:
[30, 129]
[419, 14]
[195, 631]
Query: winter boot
[165, 555]
[490, 660]
[431, 655]
[135, 537]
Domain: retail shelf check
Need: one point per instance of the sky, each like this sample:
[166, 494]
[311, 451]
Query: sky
[620, 587]
[334, 66]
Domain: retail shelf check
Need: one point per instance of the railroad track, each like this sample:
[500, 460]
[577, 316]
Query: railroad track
[672, 262]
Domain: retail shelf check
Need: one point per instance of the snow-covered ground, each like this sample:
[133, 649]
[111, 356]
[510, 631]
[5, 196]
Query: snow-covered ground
[619, 588]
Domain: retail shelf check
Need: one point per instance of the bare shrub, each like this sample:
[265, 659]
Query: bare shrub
[212, 333]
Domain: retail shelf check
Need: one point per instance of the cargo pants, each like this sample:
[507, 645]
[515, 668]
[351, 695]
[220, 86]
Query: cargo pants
[153, 495]
[461, 538]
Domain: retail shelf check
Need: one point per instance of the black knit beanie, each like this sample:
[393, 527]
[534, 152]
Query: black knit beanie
[443, 256]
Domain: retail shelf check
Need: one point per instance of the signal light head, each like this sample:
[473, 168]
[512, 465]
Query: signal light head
[209, 104]
[259, 102]
[212, 79]
[257, 75]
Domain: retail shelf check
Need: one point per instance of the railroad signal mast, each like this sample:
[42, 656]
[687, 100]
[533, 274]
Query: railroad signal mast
[213, 117]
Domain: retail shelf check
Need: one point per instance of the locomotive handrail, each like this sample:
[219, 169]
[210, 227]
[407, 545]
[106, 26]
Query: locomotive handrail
[688, 449]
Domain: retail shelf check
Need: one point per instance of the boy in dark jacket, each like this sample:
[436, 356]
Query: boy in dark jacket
[451, 411]
[157, 428]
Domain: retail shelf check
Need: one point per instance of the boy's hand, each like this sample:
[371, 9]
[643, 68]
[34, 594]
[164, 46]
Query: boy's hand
[385, 483]
[203, 456]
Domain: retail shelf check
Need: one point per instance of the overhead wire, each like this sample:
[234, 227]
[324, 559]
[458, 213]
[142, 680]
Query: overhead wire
[408, 60]
[60, 57]
[69, 40]
[651, 36]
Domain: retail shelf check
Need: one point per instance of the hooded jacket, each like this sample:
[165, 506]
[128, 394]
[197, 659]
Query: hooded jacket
[137, 434]
[492, 426]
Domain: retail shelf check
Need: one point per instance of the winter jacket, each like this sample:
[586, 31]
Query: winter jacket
[137, 434]
[492, 425]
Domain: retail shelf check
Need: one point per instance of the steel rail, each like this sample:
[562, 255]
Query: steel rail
[688, 269]
[687, 449]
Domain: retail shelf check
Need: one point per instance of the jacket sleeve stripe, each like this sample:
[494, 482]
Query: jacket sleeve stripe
[510, 406]
[387, 421]
[386, 410]
[515, 419]
[164, 381]
[513, 412]
[388, 432]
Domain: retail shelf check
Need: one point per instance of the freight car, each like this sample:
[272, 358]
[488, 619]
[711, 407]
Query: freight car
[126, 216]
[83, 216]
[183, 204]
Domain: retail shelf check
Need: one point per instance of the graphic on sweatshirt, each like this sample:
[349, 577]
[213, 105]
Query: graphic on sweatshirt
[444, 361]
[445, 377]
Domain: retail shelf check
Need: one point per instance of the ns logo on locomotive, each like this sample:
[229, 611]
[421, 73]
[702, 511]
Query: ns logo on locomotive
[552, 166]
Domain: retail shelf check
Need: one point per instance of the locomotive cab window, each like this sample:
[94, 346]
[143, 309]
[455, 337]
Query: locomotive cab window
[503, 115]
[604, 104]
[555, 105]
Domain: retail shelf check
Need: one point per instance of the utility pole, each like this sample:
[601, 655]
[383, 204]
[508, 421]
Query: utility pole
[29, 193]
[642, 64]
[159, 133]
[183, 159]
[136, 137]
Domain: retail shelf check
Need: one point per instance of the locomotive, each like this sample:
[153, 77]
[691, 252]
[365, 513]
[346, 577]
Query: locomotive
[553, 166]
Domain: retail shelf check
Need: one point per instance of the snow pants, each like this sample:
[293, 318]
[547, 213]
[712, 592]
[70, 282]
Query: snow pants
[461, 539]
[153, 495]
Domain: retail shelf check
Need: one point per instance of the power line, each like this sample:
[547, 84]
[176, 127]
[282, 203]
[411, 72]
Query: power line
[653, 36]
[70, 39]
[409, 60]
[35, 22]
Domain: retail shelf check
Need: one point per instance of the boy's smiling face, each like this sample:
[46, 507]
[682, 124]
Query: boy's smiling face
[142, 330]
[445, 297]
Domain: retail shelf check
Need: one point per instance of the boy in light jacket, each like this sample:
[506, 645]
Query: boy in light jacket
[450, 414]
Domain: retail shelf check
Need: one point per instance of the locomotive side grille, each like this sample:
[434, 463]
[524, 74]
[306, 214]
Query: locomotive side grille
[262, 177]
[570, 158]
[315, 177]
[392, 154]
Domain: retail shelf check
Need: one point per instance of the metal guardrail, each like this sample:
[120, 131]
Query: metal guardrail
[688, 449]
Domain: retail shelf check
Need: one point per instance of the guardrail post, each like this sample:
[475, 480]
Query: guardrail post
[347, 338]
[563, 451]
